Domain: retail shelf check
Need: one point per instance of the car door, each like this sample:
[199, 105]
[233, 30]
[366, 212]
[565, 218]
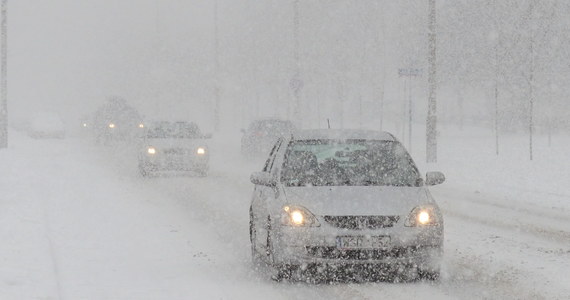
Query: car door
[261, 196]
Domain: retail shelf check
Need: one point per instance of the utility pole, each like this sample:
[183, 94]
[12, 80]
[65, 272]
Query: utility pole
[3, 80]
[431, 130]
[383, 70]
[216, 71]
[410, 113]
[496, 99]
[157, 60]
[296, 82]
[531, 80]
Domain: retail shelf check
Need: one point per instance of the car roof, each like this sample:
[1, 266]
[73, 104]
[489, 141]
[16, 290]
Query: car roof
[168, 122]
[271, 120]
[342, 134]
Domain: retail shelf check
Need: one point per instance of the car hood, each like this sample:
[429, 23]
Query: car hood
[358, 200]
[175, 143]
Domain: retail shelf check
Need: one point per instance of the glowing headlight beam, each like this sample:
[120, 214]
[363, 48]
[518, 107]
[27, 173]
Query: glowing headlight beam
[141, 125]
[111, 125]
[201, 151]
[297, 217]
[151, 150]
[423, 217]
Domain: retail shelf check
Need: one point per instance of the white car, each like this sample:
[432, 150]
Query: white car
[174, 146]
[345, 200]
[46, 125]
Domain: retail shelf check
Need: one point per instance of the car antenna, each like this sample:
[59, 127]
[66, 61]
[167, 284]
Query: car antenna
[329, 123]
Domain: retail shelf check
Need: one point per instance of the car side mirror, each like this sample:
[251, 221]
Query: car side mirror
[434, 178]
[263, 178]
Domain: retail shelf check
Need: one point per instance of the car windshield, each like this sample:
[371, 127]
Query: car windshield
[181, 130]
[348, 163]
[271, 127]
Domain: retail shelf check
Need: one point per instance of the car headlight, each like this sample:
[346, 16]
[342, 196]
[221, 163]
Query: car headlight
[141, 125]
[111, 125]
[298, 216]
[201, 151]
[423, 216]
[151, 150]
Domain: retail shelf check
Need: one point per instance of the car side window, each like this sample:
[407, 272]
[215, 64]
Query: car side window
[272, 154]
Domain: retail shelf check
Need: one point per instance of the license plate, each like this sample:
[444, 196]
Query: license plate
[362, 242]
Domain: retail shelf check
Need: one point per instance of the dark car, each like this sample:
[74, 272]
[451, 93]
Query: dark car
[116, 121]
[261, 135]
[174, 146]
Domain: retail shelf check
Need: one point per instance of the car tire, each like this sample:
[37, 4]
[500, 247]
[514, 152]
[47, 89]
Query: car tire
[406, 273]
[432, 275]
[144, 171]
[277, 271]
[255, 255]
[203, 172]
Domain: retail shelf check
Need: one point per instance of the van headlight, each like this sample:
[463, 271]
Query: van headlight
[423, 216]
[298, 216]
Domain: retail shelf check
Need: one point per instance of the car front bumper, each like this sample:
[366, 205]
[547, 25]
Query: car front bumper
[422, 247]
[174, 163]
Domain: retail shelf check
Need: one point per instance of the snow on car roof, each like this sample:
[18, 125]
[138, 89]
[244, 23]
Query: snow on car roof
[342, 134]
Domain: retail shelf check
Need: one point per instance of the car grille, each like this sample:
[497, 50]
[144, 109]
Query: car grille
[176, 151]
[327, 252]
[376, 254]
[362, 222]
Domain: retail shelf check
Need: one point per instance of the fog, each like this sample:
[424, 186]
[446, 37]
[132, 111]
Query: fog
[68, 56]
[88, 213]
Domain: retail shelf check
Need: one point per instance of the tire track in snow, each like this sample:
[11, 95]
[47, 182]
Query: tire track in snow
[522, 207]
[519, 216]
[560, 236]
[52, 252]
[491, 265]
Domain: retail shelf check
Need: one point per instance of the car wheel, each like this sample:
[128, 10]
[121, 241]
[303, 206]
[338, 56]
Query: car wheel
[203, 172]
[277, 271]
[144, 171]
[255, 256]
[406, 273]
[432, 275]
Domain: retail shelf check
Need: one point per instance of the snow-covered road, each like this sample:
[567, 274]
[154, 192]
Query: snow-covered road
[78, 222]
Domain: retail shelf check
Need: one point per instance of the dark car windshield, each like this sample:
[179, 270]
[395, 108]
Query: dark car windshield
[349, 163]
[275, 127]
[174, 130]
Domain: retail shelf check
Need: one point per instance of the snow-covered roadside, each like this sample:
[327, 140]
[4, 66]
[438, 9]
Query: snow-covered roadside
[81, 223]
[507, 218]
